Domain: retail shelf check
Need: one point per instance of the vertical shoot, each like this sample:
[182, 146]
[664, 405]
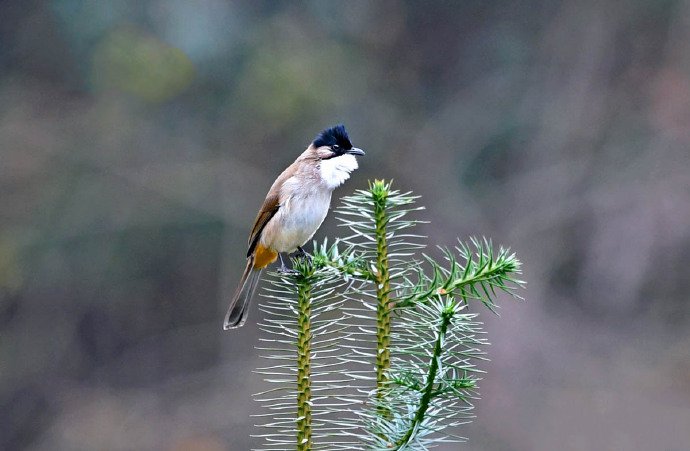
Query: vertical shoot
[379, 191]
[304, 335]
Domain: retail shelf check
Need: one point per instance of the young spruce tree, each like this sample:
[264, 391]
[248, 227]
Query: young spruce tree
[370, 343]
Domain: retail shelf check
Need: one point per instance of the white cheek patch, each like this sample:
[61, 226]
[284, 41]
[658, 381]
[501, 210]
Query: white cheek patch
[334, 171]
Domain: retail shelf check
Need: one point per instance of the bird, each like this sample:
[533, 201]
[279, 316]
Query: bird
[294, 209]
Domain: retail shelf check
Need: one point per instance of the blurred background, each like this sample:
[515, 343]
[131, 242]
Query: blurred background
[138, 138]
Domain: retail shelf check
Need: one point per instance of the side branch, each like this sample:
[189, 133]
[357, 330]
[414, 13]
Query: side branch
[428, 391]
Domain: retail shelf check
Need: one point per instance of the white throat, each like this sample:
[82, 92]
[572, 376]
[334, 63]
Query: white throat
[334, 171]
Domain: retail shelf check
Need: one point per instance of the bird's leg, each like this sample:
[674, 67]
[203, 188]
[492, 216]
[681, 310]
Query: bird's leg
[283, 267]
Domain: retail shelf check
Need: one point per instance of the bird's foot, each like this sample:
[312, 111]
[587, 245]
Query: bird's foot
[286, 270]
[283, 267]
[301, 253]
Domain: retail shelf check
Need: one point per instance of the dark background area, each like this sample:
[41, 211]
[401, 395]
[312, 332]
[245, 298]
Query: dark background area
[138, 138]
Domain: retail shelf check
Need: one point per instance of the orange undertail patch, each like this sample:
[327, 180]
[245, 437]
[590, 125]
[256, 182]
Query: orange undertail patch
[263, 256]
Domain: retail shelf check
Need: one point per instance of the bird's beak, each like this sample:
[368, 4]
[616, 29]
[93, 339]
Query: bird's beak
[355, 151]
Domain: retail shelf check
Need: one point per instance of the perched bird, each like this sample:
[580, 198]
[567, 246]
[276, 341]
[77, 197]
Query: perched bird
[294, 209]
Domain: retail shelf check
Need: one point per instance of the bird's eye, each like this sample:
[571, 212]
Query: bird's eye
[335, 148]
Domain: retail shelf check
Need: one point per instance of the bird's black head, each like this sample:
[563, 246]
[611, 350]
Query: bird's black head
[335, 138]
[334, 142]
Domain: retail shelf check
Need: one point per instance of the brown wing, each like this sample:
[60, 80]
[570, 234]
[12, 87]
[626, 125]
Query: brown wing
[271, 204]
[268, 210]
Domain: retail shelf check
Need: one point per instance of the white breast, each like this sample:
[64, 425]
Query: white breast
[299, 216]
[334, 171]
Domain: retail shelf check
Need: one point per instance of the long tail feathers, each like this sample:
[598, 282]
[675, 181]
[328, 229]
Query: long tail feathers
[239, 306]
